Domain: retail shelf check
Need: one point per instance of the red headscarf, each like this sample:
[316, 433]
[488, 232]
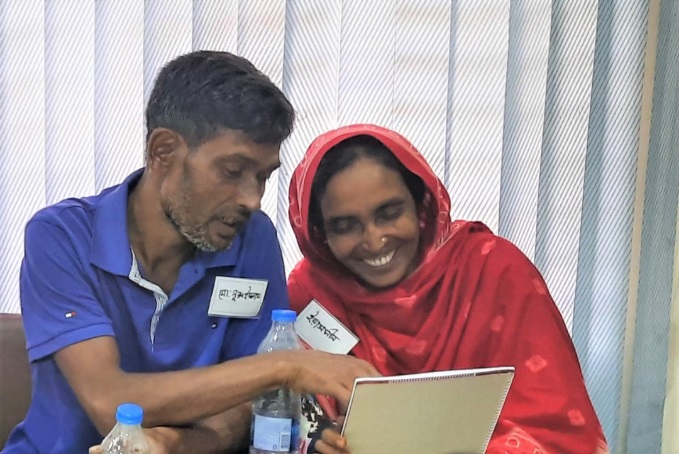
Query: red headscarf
[474, 301]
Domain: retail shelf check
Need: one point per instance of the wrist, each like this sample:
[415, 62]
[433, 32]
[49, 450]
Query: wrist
[186, 440]
[286, 370]
[169, 438]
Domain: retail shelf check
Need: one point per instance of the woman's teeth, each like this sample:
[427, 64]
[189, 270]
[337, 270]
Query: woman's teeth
[380, 261]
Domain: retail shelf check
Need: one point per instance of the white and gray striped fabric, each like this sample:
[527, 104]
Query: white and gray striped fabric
[531, 112]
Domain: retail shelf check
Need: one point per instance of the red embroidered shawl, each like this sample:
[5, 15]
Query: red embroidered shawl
[474, 301]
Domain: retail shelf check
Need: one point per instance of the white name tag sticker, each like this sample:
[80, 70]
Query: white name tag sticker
[322, 331]
[237, 297]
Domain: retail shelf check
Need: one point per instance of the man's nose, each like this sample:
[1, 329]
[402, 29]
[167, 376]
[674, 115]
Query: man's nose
[250, 194]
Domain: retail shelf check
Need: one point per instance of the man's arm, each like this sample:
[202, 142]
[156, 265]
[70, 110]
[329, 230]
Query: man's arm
[182, 397]
[228, 432]
[223, 433]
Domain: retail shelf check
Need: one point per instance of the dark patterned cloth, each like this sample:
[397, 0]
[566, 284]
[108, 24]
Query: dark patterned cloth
[312, 424]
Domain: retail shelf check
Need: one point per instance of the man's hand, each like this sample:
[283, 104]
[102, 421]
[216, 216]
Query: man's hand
[225, 432]
[315, 372]
[158, 438]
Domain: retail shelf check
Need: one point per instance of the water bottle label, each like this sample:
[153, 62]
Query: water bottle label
[272, 434]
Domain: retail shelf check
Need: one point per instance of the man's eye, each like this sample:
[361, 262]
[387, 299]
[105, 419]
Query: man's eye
[233, 174]
[264, 177]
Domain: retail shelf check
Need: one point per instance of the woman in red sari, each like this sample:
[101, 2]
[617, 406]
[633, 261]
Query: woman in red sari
[423, 293]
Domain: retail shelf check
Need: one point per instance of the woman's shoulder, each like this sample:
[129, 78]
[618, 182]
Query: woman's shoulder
[299, 273]
[298, 290]
[479, 240]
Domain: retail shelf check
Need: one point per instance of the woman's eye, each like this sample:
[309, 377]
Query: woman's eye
[391, 213]
[342, 227]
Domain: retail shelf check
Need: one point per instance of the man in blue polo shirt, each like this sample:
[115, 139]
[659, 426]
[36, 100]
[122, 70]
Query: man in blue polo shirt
[146, 292]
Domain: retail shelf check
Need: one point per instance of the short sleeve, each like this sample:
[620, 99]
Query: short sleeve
[58, 302]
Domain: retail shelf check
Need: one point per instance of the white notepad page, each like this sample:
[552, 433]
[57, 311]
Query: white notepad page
[448, 412]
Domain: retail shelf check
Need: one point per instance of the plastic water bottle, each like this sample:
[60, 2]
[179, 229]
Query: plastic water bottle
[276, 415]
[126, 437]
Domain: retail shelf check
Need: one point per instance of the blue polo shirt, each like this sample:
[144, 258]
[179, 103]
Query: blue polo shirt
[79, 281]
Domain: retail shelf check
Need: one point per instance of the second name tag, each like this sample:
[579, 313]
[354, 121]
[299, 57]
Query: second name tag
[237, 297]
[322, 331]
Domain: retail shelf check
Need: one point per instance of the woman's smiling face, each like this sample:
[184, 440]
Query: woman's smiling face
[371, 223]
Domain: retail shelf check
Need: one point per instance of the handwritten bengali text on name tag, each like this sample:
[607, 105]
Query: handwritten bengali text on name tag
[322, 331]
[237, 297]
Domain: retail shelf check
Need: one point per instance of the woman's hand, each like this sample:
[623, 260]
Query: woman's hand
[331, 441]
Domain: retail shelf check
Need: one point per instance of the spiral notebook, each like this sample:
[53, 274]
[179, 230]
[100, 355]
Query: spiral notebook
[449, 412]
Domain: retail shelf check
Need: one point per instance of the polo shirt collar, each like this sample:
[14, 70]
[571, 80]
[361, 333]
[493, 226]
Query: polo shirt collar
[228, 257]
[111, 250]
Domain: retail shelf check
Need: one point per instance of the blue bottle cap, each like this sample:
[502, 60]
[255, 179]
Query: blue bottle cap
[283, 315]
[131, 414]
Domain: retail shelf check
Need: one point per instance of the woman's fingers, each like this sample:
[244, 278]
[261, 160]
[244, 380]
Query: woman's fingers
[331, 442]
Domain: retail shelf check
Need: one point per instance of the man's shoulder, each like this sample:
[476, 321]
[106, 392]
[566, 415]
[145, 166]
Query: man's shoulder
[72, 218]
[67, 213]
[72, 209]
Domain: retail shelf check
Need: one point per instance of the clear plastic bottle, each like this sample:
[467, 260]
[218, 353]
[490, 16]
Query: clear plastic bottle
[126, 437]
[276, 415]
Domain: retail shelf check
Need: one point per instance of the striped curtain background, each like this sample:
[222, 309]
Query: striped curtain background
[554, 122]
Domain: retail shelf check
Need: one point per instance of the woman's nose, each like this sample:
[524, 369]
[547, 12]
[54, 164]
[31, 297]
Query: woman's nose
[373, 239]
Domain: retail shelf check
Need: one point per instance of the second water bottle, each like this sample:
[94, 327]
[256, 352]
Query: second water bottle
[276, 415]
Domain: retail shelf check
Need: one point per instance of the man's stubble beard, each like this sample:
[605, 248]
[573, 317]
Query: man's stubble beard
[177, 213]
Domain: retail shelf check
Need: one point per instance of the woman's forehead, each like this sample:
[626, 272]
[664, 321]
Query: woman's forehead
[364, 186]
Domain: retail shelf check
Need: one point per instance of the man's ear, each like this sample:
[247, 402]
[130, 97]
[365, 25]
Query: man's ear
[162, 148]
